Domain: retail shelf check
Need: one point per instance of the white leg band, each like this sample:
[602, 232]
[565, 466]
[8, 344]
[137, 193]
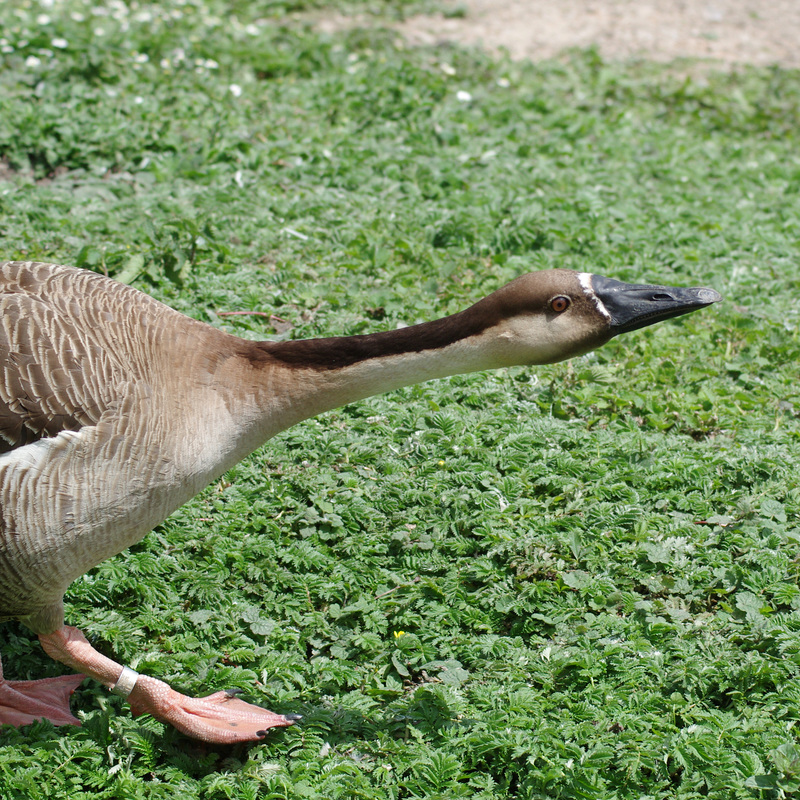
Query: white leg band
[125, 683]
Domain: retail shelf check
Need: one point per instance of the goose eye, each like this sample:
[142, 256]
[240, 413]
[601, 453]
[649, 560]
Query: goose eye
[560, 303]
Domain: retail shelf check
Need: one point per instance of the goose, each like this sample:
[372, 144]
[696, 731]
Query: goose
[115, 410]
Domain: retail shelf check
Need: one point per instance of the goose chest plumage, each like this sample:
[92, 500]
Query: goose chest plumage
[116, 409]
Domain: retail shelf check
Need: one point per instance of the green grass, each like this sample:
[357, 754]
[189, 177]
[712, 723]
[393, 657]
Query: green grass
[578, 581]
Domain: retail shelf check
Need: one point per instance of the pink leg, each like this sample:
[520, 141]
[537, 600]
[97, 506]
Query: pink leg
[23, 702]
[219, 718]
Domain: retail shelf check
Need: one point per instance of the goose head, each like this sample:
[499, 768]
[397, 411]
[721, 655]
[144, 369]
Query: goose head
[552, 315]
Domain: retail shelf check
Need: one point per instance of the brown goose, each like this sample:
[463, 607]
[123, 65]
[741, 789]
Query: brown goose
[115, 410]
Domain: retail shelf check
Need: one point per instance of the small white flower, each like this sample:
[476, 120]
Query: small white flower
[99, 31]
[33, 61]
[43, 19]
[209, 63]
[503, 83]
[164, 63]
[60, 43]
[239, 179]
[76, 16]
[6, 48]
[463, 97]
[447, 69]
[251, 30]
[118, 9]
[141, 58]
[235, 90]
[138, 100]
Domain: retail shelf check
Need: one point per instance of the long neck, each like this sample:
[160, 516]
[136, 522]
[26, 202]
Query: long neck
[299, 379]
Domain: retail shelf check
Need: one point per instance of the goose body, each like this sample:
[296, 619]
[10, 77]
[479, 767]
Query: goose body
[115, 410]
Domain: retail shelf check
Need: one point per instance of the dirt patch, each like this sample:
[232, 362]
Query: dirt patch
[725, 32]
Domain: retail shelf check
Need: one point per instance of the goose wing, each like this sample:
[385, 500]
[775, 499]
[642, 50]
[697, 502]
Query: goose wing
[56, 371]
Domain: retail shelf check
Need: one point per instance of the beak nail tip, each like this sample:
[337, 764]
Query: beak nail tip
[710, 296]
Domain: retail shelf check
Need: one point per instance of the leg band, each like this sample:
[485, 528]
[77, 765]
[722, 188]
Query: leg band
[125, 683]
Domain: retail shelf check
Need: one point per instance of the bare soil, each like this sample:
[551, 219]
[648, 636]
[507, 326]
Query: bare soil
[724, 32]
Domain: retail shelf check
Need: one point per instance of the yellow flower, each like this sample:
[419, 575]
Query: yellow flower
[398, 634]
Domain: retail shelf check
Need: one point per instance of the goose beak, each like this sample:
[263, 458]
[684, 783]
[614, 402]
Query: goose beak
[633, 306]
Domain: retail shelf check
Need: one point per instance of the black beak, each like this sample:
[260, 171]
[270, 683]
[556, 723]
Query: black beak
[633, 306]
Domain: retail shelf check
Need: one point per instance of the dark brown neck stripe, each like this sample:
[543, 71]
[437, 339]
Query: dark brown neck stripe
[527, 294]
[344, 351]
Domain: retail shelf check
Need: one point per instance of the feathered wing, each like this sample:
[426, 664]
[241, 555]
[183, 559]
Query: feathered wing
[56, 374]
